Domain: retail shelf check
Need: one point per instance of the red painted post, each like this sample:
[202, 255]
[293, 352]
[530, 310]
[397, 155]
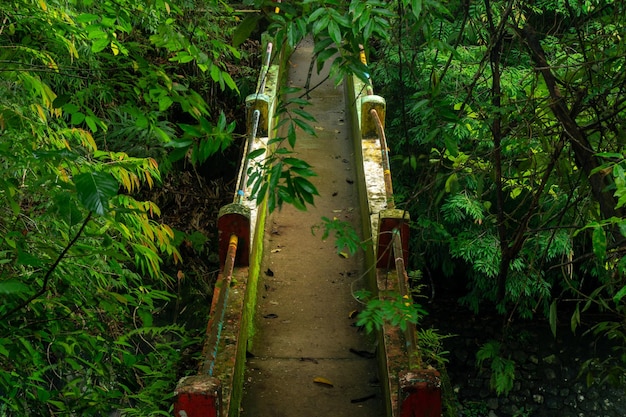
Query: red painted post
[420, 393]
[389, 220]
[198, 396]
[234, 219]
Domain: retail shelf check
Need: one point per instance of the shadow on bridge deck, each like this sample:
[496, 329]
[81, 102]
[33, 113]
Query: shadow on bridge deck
[303, 325]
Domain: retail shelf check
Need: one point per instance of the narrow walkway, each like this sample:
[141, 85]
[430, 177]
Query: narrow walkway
[304, 329]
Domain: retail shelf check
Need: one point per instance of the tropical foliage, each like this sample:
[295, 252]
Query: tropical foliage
[99, 101]
[509, 151]
[505, 117]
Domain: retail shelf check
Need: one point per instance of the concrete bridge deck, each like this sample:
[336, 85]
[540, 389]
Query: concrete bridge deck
[304, 326]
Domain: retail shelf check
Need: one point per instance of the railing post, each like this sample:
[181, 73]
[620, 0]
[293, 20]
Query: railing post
[234, 219]
[420, 393]
[369, 129]
[389, 220]
[260, 102]
[198, 396]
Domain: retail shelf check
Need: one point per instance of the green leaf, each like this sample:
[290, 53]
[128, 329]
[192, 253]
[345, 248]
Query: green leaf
[95, 189]
[619, 295]
[553, 318]
[91, 122]
[295, 162]
[77, 118]
[451, 145]
[598, 240]
[305, 126]
[25, 258]
[334, 32]
[165, 102]
[305, 186]
[87, 18]
[99, 45]
[13, 287]
[305, 115]
[416, 8]
[245, 28]
[256, 153]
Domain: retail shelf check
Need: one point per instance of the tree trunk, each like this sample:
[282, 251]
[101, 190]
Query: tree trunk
[583, 151]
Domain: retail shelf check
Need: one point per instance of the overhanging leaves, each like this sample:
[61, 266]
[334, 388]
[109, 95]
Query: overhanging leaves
[94, 190]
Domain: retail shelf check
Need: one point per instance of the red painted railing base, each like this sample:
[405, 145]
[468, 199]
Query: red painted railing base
[389, 220]
[420, 393]
[234, 219]
[198, 396]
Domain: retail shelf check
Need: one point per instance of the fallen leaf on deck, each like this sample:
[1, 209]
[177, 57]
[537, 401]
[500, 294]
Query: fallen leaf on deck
[323, 381]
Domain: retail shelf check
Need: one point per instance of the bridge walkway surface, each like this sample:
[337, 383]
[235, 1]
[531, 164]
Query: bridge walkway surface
[304, 329]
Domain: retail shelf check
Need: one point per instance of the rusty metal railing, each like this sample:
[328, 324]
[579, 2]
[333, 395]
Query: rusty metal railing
[256, 117]
[210, 391]
[395, 243]
[414, 389]
[218, 309]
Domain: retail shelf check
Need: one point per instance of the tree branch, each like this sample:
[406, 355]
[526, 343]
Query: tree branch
[46, 278]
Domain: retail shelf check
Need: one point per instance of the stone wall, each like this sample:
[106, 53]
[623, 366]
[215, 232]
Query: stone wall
[547, 382]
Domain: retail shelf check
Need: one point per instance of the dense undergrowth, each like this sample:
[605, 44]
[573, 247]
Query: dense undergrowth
[109, 113]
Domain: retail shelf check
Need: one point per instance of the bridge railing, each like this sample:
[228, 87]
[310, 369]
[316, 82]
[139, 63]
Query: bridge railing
[410, 389]
[216, 390]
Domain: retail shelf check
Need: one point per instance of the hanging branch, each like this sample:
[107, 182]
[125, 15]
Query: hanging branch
[46, 278]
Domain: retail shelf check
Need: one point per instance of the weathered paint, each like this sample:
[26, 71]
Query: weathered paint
[411, 398]
[198, 396]
[260, 102]
[406, 396]
[368, 122]
[420, 393]
[391, 219]
[234, 219]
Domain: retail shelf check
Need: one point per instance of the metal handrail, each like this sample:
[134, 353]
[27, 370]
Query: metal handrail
[256, 117]
[403, 282]
[385, 159]
[218, 309]
[398, 252]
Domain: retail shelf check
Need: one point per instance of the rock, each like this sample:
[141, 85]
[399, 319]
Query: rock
[492, 404]
[492, 414]
[550, 359]
[552, 404]
[519, 356]
[571, 401]
[549, 373]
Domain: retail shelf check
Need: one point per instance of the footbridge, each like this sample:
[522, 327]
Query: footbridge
[281, 337]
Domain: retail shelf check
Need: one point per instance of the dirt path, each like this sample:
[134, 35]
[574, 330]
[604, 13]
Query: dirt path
[304, 329]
